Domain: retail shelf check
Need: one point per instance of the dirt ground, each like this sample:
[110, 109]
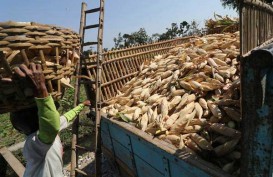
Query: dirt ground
[87, 164]
[86, 161]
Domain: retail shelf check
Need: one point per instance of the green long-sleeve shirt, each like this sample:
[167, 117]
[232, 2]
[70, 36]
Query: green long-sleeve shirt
[49, 118]
[70, 115]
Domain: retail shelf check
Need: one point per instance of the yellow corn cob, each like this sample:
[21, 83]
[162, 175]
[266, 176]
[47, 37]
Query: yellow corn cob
[215, 109]
[150, 115]
[144, 122]
[179, 92]
[183, 101]
[201, 142]
[229, 167]
[220, 56]
[199, 110]
[171, 120]
[203, 103]
[192, 145]
[226, 147]
[173, 138]
[136, 114]
[195, 85]
[200, 122]
[186, 85]
[164, 107]
[233, 113]
[214, 119]
[191, 129]
[219, 77]
[166, 74]
[190, 98]
[182, 121]
[224, 130]
[174, 102]
[219, 62]
[212, 63]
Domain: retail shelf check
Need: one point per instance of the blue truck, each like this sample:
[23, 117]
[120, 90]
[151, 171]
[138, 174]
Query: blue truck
[141, 155]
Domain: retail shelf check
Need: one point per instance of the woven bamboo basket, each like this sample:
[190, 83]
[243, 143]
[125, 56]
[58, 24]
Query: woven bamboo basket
[55, 48]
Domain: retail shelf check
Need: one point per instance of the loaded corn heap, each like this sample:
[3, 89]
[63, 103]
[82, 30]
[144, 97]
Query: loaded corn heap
[190, 98]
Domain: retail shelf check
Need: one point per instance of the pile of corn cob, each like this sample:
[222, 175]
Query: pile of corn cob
[190, 98]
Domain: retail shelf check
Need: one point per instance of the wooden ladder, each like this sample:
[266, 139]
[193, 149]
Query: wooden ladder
[82, 71]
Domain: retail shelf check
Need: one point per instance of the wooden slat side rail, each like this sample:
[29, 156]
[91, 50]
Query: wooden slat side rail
[256, 23]
[14, 163]
[146, 47]
[129, 56]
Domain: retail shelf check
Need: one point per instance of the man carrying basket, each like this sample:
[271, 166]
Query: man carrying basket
[43, 149]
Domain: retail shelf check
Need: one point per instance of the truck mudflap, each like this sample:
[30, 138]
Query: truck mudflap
[141, 155]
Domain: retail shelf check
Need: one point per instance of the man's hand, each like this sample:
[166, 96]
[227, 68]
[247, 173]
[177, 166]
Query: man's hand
[36, 76]
[86, 103]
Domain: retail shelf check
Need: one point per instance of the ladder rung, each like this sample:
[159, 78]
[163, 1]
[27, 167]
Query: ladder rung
[89, 43]
[87, 82]
[92, 26]
[92, 10]
[81, 172]
[83, 148]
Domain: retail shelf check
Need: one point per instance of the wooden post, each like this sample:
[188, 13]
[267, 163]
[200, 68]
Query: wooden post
[75, 124]
[98, 151]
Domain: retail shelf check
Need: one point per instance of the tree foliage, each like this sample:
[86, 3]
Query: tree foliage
[138, 37]
[118, 41]
[234, 4]
[175, 31]
[141, 37]
[125, 40]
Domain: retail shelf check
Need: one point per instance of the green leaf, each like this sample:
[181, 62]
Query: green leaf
[123, 117]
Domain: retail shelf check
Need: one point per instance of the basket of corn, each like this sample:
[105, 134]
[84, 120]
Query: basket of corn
[190, 98]
[55, 48]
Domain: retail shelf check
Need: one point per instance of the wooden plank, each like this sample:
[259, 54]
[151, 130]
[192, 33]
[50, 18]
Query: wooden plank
[146, 170]
[14, 163]
[124, 170]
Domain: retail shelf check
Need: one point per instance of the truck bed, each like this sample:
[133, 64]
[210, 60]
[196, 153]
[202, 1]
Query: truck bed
[138, 154]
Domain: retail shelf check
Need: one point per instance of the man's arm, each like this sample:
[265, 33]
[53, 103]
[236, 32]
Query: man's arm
[49, 120]
[70, 115]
